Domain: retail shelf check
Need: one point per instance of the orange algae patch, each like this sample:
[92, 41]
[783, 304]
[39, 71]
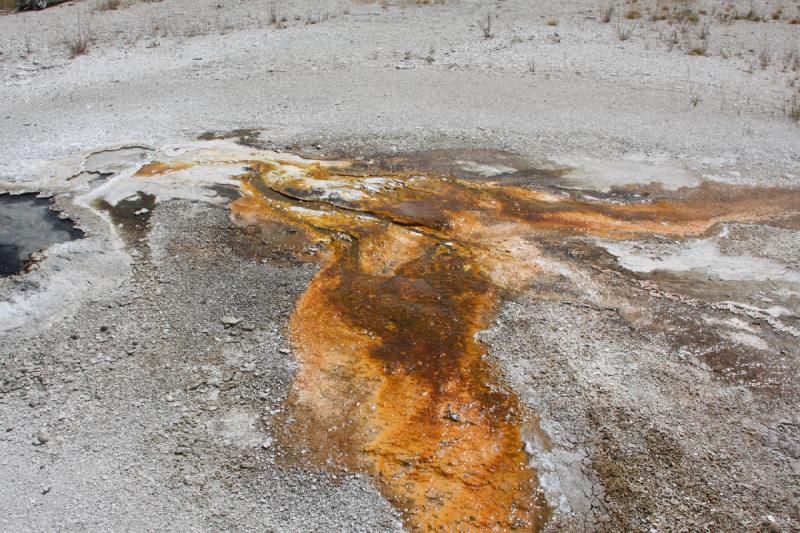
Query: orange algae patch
[441, 437]
[158, 168]
[391, 378]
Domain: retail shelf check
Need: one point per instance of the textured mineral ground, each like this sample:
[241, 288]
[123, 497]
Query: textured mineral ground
[452, 265]
[412, 274]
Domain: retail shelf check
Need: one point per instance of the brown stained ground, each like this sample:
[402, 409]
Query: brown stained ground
[391, 378]
[131, 216]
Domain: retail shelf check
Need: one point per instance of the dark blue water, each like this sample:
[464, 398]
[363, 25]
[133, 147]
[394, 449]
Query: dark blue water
[27, 225]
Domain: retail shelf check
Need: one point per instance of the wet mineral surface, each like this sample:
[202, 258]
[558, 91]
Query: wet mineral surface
[392, 380]
[27, 226]
[418, 258]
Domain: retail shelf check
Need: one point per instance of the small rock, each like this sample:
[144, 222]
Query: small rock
[285, 351]
[47, 489]
[170, 398]
[248, 327]
[452, 415]
[142, 211]
[43, 437]
[528, 448]
[266, 444]
[229, 321]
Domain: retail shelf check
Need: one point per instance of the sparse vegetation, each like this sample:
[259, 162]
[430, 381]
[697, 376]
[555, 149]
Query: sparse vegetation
[77, 39]
[764, 57]
[108, 5]
[793, 111]
[670, 38]
[275, 19]
[624, 32]
[28, 40]
[606, 12]
[751, 15]
[485, 24]
[698, 51]
[791, 60]
[700, 48]
[704, 31]
[633, 14]
[431, 56]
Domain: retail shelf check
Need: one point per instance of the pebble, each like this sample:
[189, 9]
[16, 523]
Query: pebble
[452, 415]
[229, 321]
[266, 444]
[43, 437]
[285, 351]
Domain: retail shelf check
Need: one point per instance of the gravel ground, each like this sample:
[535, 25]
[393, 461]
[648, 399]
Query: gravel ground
[168, 70]
[667, 398]
[158, 417]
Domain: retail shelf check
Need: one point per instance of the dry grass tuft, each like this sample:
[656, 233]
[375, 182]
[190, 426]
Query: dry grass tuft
[485, 24]
[793, 111]
[108, 5]
[791, 60]
[606, 12]
[623, 32]
[78, 38]
[751, 15]
[633, 14]
[764, 57]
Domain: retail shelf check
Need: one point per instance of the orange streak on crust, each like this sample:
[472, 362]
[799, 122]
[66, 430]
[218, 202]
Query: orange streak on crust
[157, 168]
[391, 379]
[392, 361]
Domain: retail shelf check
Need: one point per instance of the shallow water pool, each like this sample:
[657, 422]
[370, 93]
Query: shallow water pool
[27, 225]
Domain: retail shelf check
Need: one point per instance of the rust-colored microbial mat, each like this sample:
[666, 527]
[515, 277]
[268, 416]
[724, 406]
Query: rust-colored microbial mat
[391, 378]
